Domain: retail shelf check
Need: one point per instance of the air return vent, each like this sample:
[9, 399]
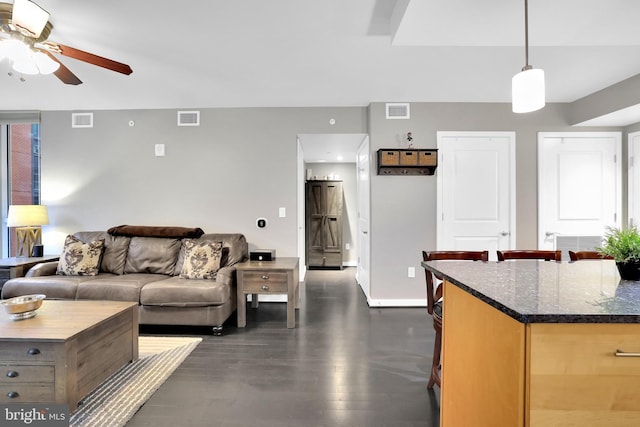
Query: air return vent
[577, 243]
[81, 120]
[398, 111]
[188, 118]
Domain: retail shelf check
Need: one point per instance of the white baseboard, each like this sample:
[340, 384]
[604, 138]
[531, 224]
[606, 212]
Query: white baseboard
[397, 302]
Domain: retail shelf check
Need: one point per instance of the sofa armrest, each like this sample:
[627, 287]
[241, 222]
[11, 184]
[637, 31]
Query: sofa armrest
[227, 275]
[43, 269]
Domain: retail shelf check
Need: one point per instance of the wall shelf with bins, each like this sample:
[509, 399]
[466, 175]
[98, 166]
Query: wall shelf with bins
[396, 161]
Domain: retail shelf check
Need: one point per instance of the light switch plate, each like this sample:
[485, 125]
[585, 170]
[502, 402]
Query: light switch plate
[282, 212]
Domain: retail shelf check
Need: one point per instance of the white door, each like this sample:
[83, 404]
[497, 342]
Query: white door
[476, 191]
[363, 189]
[579, 188]
[634, 179]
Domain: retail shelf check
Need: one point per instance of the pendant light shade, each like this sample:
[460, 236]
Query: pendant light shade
[527, 87]
[527, 90]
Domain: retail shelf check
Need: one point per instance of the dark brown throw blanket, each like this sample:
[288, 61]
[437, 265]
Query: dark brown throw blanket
[153, 231]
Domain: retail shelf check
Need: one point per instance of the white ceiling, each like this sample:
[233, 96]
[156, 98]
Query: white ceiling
[245, 53]
[333, 148]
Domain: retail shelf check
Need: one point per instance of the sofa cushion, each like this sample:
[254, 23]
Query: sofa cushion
[234, 249]
[152, 255]
[125, 287]
[79, 258]
[179, 292]
[201, 259]
[155, 231]
[115, 249]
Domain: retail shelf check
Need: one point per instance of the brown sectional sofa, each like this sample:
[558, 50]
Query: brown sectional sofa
[146, 270]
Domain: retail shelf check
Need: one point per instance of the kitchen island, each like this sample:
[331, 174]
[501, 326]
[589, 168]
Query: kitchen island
[535, 343]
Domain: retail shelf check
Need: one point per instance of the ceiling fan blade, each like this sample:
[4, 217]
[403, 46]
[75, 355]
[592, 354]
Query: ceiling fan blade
[89, 58]
[63, 73]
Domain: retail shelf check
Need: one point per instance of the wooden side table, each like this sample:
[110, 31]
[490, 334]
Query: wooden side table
[18, 266]
[268, 277]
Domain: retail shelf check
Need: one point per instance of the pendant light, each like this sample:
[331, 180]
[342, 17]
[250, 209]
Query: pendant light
[527, 87]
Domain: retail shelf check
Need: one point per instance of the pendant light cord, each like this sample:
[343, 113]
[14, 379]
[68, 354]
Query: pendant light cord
[526, 36]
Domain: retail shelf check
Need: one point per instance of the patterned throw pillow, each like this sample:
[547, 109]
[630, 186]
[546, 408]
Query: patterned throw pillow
[80, 259]
[201, 260]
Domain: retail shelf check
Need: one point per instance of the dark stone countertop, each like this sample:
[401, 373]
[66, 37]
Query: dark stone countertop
[533, 291]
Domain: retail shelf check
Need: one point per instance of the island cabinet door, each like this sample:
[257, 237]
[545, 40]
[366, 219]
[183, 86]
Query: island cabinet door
[584, 374]
[483, 364]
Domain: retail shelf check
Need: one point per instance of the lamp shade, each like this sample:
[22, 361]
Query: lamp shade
[27, 215]
[528, 91]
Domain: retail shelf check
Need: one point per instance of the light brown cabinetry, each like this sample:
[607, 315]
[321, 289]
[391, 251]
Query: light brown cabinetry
[324, 204]
[499, 371]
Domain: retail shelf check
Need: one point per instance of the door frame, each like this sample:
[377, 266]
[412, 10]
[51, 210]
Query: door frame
[632, 186]
[364, 227]
[511, 138]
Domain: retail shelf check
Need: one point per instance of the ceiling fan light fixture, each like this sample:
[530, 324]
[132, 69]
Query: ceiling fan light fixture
[45, 64]
[29, 17]
[27, 66]
[527, 90]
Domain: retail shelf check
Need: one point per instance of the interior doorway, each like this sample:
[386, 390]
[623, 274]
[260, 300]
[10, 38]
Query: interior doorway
[336, 156]
[579, 188]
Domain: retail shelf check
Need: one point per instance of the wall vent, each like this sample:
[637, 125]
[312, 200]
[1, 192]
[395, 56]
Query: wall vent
[397, 110]
[188, 118]
[577, 243]
[81, 120]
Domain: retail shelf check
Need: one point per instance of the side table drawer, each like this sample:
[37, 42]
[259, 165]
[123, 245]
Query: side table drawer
[22, 373]
[256, 282]
[27, 352]
[19, 393]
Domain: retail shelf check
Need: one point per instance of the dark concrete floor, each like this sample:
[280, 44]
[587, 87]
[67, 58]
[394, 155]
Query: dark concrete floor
[345, 364]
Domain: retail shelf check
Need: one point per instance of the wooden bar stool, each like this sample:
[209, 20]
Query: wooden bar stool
[434, 301]
[530, 254]
[581, 255]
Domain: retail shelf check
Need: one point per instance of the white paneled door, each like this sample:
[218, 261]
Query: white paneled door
[579, 187]
[363, 162]
[476, 191]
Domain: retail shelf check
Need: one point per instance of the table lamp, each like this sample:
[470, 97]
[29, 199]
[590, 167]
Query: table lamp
[27, 220]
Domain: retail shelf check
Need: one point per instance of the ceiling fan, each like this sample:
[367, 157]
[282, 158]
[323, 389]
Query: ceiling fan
[24, 29]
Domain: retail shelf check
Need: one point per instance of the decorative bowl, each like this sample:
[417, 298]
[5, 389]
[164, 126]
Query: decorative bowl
[23, 307]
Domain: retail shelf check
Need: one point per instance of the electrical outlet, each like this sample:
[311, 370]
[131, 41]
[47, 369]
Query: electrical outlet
[411, 272]
[159, 150]
[347, 246]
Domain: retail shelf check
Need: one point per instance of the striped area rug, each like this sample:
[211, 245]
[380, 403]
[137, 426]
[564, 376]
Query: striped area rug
[116, 400]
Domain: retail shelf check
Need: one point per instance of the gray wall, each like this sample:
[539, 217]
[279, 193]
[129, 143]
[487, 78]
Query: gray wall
[403, 207]
[347, 172]
[240, 164]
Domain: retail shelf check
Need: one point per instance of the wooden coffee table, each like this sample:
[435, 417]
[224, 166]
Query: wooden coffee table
[66, 350]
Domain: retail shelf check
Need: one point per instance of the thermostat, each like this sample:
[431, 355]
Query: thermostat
[261, 222]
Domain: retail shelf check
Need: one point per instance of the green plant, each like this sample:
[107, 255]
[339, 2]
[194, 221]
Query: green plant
[621, 244]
